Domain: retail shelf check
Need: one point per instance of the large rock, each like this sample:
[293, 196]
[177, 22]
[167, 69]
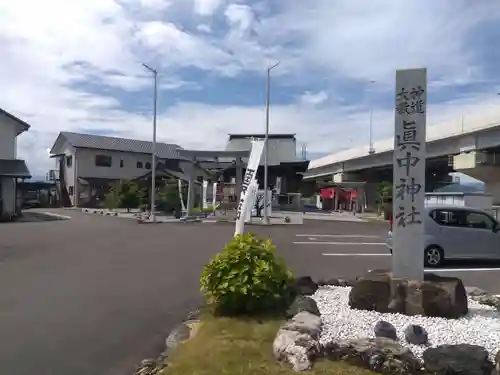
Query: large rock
[385, 329]
[302, 303]
[444, 297]
[381, 355]
[297, 341]
[457, 360]
[371, 292]
[416, 335]
[436, 296]
[303, 286]
[488, 300]
[473, 291]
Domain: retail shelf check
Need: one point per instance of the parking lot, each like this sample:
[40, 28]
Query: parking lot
[95, 295]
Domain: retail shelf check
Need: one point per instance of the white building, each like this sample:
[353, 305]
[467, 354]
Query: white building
[89, 164]
[11, 168]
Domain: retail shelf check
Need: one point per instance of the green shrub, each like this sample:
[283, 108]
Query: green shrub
[246, 277]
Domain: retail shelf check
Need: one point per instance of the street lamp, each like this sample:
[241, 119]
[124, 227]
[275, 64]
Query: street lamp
[153, 150]
[266, 137]
[371, 150]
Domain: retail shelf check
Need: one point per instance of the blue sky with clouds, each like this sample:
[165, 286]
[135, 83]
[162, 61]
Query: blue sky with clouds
[76, 66]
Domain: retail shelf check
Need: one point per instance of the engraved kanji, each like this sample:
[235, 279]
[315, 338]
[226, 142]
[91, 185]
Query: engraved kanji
[404, 219]
[407, 188]
[409, 161]
[409, 137]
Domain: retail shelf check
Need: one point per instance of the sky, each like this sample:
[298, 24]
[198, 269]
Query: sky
[77, 66]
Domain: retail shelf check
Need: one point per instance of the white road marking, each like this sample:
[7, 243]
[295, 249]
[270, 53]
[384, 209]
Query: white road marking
[460, 269]
[355, 255]
[342, 243]
[337, 235]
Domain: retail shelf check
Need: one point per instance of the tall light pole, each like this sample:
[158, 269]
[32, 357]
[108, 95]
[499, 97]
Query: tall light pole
[371, 150]
[266, 138]
[153, 150]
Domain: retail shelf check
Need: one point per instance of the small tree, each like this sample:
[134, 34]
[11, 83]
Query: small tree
[112, 199]
[384, 197]
[169, 198]
[130, 195]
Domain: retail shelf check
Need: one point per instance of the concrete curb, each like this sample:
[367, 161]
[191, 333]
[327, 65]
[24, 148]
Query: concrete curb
[59, 216]
[181, 333]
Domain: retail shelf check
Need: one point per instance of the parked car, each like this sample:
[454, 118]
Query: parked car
[455, 232]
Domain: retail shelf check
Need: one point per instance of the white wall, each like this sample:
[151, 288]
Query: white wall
[8, 192]
[7, 138]
[85, 164]
[280, 150]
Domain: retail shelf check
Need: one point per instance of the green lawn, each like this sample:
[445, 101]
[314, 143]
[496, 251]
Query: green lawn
[228, 346]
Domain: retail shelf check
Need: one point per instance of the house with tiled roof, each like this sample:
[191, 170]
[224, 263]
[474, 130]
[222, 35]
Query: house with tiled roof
[12, 169]
[89, 164]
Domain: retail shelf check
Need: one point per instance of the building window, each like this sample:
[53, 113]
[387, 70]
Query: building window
[103, 161]
[69, 160]
[71, 190]
[139, 164]
[121, 163]
[148, 165]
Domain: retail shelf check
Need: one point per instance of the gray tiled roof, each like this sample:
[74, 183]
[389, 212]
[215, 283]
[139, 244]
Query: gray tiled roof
[163, 150]
[14, 168]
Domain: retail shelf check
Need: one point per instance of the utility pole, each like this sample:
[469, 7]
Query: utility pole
[153, 149]
[266, 138]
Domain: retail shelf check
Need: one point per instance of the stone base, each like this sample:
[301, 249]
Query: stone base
[436, 296]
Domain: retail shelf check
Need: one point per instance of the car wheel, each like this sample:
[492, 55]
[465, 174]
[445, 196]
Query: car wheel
[433, 256]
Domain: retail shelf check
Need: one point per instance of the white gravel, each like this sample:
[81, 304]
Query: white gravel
[480, 327]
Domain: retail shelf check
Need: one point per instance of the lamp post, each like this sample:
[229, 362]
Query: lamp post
[371, 150]
[153, 150]
[266, 138]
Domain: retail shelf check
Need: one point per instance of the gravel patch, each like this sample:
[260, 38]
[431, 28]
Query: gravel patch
[481, 326]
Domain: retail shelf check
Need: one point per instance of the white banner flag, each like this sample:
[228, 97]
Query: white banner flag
[204, 194]
[179, 183]
[250, 173]
[214, 197]
[254, 186]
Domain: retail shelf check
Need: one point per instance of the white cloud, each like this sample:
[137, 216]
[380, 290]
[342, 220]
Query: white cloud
[54, 52]
[314, 99]
[204, 28]
[206, 7]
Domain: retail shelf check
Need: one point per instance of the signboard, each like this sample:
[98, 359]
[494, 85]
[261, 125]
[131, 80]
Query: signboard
[250, 173]
[409, 174]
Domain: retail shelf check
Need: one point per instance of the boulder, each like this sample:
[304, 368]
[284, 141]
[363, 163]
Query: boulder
[444, 297]
[304, 322]
[371, 292]
[379, 354]
[416, 335]
[436, 296]
[473, 291]
[488, 300]
[496, 371]
[457, 360]
[385, 329]
[297, 341]
[302, 303]
[303, 286]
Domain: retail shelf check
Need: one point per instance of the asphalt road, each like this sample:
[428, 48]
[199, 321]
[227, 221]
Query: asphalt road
[95, 295]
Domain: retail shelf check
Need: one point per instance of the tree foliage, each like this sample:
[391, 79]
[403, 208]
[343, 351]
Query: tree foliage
[125, 194]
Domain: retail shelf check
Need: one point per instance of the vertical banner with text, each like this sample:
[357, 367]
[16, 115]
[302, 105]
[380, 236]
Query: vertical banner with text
[409, 174]
[250, 173]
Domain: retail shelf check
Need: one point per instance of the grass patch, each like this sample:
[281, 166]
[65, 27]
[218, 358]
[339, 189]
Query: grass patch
[238, 346]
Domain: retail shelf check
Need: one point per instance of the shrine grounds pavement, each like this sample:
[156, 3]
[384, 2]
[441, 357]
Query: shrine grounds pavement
[95, 295]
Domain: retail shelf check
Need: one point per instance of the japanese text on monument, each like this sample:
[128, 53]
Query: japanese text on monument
[409, 104]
